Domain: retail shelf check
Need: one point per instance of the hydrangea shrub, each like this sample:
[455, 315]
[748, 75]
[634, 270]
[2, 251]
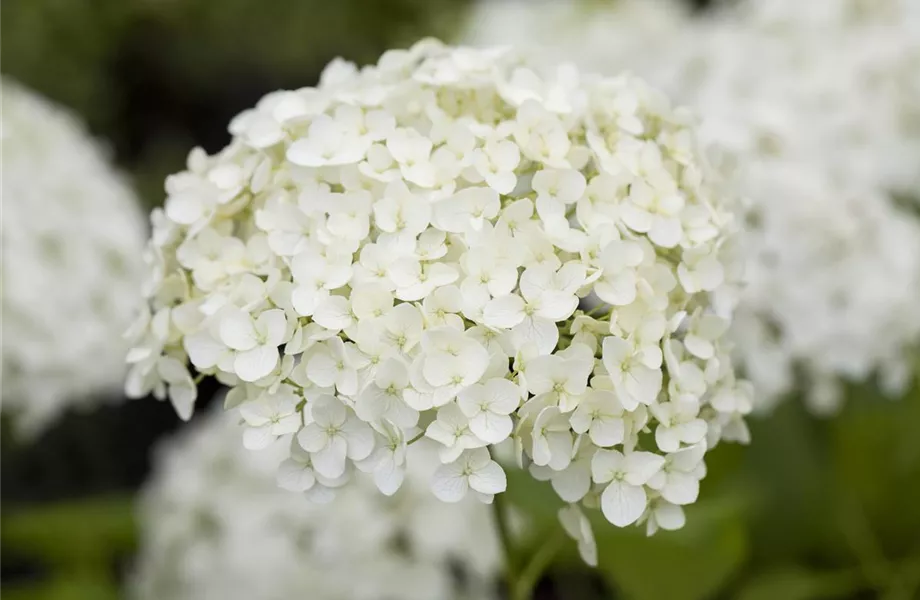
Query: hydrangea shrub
[72, 238]
[215, 525]
[400, 252]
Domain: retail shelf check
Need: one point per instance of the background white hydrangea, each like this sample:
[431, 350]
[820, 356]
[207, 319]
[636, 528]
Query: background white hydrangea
[73, 235]
[600, 36]
[812, 109]
[400, 253]
[215, 525]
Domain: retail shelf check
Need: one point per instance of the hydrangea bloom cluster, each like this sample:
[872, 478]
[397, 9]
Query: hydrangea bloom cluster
[72, 236]
[216, 526]
[817, 137]
[400, 252]
[849, 70]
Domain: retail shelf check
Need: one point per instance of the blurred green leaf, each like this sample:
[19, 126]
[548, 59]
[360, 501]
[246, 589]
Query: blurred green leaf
[536, 499]
[690, 564]
[78, 587]
[796, 583]
[788, 475]
[877, 469]
[63, 48]
[71, 536]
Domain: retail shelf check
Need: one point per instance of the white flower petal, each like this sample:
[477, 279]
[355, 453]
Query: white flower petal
[255, 364]
[504, 312]
[669, 517]
[489, 479]
[572, 483]
[622, 503]
[238, 331]
[360, 438]
[681, 488]
[388, 477]
[641, 466]
[607, 432]
[449, 484]
[295, 476]
[329, 461]
[491, 428]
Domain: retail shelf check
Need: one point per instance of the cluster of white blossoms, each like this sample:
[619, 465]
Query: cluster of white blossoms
[400, 252]
[215, 525]
[72, 238]
[836, 85]
[812, 108]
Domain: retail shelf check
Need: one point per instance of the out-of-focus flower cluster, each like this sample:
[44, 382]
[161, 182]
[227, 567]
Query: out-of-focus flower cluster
[400, 253]
[600, 36]
[813, 110]
[215, 525]
[72, 235]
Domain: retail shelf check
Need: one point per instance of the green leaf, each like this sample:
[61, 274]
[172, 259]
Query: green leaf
[83, 534]
[876, 465]
[795, 583]
[77, 587]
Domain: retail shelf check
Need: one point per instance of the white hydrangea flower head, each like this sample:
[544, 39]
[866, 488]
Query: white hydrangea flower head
[846, 68]
[400, 252]
[215, 525]
[820, 137]
[73, 235]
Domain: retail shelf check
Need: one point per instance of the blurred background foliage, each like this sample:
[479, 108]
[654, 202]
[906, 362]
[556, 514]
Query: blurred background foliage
[814, 509]
[156, 77]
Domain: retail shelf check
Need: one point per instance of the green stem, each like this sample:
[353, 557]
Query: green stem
[536, 566]
[599, 308]
[416, 438]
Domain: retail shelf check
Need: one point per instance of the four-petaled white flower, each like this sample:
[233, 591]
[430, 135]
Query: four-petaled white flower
[383, 399]
[546, 296]
[487, 406]
[452, 429]
[315, 275]
[624, 499]
[564, 378]
[635, 382]
[678, 481]
[618, 262]
[475, 470]
[333, 434]
[678, 422]
[270, 416]
[388, 461]
[328, 142]
[553, 444]
[255, 341]
[467, 210]
[496, 162]
[335, 363]
[601, 415]
[453, 360]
